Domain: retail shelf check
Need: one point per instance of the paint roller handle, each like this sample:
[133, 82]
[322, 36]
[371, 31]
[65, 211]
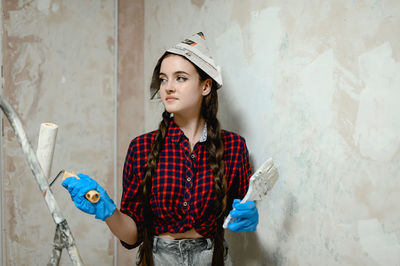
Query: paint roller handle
[92, 195]
[79, 185]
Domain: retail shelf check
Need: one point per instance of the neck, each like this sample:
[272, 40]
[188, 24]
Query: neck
[192, 128]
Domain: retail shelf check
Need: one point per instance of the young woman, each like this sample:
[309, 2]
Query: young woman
[180, 181]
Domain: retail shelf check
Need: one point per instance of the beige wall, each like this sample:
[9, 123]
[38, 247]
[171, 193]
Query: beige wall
[312, 84]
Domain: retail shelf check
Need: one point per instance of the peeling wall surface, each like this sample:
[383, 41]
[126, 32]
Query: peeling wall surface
[315, 85]
[58, 59]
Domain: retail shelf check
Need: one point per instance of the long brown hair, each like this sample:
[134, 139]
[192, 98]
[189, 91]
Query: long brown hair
[215, 147]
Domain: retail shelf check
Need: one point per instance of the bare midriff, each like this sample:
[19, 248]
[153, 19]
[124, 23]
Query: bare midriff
[188, 234]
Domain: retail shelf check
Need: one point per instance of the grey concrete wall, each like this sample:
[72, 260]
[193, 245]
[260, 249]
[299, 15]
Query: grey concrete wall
[314, 85]
[59, 63]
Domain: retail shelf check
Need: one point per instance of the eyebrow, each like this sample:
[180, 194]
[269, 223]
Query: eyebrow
[175, 73]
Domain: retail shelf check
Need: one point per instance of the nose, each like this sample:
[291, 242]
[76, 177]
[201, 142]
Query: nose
[169, 87]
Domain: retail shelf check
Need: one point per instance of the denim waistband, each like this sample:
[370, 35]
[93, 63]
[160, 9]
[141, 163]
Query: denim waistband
[179, 245]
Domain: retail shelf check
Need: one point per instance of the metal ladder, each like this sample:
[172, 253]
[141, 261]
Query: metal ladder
[63, 237]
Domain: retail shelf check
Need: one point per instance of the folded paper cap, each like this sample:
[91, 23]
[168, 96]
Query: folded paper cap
[193, 48]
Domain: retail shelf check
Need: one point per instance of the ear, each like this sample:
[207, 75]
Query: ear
[206, 87]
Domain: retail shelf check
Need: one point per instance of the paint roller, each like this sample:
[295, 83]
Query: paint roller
[45, 151]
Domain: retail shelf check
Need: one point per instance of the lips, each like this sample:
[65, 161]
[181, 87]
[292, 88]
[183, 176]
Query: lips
[171, 98]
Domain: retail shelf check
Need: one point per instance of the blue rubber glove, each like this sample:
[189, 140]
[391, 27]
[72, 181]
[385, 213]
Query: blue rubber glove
[77, 188]
[246, 216]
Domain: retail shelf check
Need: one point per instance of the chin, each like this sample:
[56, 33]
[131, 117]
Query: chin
[175, 111]
[171, 110]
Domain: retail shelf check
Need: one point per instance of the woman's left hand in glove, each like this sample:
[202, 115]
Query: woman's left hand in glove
[245, 215]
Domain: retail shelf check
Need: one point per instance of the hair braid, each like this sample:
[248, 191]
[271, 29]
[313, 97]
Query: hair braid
[146, 250]
[215, 148]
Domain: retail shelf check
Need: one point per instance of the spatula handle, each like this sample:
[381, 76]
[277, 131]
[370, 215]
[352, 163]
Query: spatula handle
[229, 218]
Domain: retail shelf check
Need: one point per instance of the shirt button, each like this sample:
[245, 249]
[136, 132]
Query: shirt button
[189, 179]
[193, 156]
[185, 204]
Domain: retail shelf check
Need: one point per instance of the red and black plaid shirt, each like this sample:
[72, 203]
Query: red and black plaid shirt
[182, 189]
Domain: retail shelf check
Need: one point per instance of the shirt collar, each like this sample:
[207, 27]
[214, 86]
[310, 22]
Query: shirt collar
[175, 133]
[203, 137]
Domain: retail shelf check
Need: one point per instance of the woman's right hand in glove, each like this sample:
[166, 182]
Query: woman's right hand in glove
[78, 188]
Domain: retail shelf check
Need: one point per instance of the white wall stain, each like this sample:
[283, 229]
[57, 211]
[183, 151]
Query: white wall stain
[255, 81]
[381, 246]
[43, 6]
[377, 129]
[55, 7]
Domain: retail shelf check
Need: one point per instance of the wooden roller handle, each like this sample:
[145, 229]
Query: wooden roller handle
[92, 195]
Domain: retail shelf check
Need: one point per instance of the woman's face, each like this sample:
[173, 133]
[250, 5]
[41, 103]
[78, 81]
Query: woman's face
[181, 89]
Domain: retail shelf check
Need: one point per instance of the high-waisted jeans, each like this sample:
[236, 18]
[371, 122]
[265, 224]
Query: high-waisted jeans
[185, 252]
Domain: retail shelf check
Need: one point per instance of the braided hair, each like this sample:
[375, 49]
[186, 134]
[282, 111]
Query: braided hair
[215, 147]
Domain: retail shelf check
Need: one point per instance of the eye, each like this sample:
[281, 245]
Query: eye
[162, 80]
[181, 78]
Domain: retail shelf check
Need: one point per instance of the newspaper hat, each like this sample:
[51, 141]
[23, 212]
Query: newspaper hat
[193, 48]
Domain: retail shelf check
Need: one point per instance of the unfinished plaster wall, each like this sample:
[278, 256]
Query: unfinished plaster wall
[59, 64]
[130, 92]
[315, 85]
